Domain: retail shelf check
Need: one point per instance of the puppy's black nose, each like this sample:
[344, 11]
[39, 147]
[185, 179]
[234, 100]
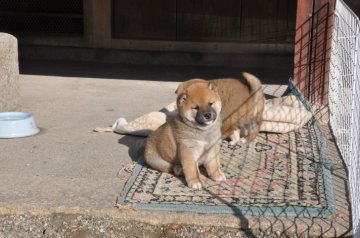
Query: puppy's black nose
[204, 117]
[207, 115]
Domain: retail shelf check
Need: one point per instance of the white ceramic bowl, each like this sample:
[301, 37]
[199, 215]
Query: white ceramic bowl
[17, 124]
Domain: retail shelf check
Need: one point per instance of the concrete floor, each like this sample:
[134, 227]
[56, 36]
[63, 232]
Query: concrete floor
[70, 169]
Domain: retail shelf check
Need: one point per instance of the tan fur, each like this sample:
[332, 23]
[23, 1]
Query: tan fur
[185, 141]
[242, 105]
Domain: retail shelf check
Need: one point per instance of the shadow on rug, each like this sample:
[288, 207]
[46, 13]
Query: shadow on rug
[275, 175]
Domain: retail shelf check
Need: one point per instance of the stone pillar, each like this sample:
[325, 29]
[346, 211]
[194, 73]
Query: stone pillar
[9, 73]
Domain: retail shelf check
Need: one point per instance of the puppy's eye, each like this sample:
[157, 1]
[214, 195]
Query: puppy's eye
[211, 103]
[196, 107]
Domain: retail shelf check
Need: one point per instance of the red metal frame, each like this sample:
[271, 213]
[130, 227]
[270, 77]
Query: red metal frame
[314, 21]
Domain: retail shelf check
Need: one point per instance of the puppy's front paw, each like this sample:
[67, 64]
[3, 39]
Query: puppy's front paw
[195, 184]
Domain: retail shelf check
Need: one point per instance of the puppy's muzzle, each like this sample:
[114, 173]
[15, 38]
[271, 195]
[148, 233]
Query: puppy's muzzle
[205, 117]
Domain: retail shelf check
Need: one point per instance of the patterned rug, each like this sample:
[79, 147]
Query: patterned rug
[277, 174]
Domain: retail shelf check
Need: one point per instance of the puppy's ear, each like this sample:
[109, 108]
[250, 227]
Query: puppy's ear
[181, 97]
[184, 85]
[212, 87]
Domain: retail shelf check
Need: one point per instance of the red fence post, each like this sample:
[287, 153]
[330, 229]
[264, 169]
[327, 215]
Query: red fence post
[314, 22]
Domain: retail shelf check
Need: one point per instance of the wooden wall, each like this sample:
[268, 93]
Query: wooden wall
[205, 20]
[143, 19]
[196, 27]
[208, 20]
[268, 21]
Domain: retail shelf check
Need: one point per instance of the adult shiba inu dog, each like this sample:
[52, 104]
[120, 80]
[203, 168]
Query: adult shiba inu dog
[190, 138]
[242, 106]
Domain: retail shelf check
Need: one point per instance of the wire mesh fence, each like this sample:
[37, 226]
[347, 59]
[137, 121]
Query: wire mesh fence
[344, 101]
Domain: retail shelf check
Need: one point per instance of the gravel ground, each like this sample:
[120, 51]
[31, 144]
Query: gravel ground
[64, 225]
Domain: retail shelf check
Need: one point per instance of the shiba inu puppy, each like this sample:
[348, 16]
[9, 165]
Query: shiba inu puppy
[190, 138]
[242, 106]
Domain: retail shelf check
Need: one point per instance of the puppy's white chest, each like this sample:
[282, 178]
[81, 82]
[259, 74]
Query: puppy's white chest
[195, 144]
[199, 147]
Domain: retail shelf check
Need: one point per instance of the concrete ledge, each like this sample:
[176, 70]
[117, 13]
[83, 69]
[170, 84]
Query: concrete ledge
[9, 73]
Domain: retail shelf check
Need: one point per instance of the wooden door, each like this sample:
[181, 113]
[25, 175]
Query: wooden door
[144, 19]
[268, 21]
[209, 20]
